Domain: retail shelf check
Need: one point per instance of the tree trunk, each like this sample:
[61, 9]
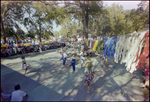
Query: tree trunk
[40, 30]
[2, 26]
[86, 25]
[85, 18]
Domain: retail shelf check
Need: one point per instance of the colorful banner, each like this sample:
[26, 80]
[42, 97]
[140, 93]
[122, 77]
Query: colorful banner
[46, 42]
[18, 45]
[95, 45]
[2, 45]
[89, 43]
[33, 43]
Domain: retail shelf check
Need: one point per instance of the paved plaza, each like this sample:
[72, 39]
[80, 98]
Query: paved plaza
[49, 81]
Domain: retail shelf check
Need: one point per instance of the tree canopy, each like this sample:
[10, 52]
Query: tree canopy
[74, 17]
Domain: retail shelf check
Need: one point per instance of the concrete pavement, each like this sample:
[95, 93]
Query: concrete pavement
[49, 81]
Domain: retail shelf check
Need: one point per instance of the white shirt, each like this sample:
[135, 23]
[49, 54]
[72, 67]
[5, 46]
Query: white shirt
[86, 70]
[23, 60]
[61, 49]
[82, 47]
[85, 53]
[72, 58]
[81, 54]
[18, 95]
[19, 49]
[64, 54]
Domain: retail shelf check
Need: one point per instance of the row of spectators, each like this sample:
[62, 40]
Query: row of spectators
[11, 50]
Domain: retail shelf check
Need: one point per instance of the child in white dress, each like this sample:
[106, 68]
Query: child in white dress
[24, 65]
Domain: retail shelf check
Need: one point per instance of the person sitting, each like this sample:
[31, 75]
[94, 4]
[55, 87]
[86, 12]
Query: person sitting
[19, 95]
[5, 97]
[2, 53]
[19, 50]
[23, 49]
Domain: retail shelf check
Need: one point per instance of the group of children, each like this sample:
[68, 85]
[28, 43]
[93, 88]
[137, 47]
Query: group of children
[72, 58]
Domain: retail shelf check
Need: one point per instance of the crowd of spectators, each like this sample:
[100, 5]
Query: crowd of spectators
[12, 50]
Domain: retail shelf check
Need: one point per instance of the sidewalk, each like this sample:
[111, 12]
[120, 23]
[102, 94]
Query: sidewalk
[51, 82]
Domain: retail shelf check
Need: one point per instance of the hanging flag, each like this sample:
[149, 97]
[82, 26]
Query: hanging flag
[95, 36]
[89, 43]
[80, 35]
[92, 45]
[33, 43]
[92, 36]
[95, 45]
[3, 45]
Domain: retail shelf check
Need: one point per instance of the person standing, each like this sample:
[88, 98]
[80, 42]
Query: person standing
[19, 95]
[73, 60]
[24, 65]
[82, 57]
[64, 58]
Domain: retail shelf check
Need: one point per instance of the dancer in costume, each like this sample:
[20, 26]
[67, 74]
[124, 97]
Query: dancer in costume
[82, 57]
[24, 65]
[89, 74]
[64, 58]
[73, 60]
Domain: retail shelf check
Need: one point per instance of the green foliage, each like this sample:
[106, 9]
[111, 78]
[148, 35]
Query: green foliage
[114, 21]
[12, 13]
[76, 17]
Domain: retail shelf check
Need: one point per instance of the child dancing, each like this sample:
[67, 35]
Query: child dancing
[64, 58]
[73, 60]
[89, 74]
[24, 65]
[82, 57]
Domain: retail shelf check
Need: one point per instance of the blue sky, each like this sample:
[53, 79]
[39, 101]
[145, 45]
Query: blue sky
[126, 6]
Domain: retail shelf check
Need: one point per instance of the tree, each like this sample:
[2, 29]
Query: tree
[74, 28]
[81, 10]
[43, 17]
[11, 13]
